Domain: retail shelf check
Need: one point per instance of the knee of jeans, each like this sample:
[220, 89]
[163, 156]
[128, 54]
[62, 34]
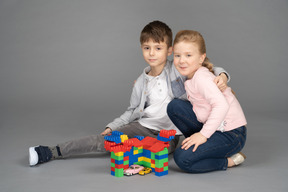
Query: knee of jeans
[179, 158]
[172, 106]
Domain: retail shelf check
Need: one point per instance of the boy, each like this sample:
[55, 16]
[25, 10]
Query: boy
[146, 116]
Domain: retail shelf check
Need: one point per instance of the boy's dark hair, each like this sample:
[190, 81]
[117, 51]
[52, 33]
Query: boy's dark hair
[158, 32]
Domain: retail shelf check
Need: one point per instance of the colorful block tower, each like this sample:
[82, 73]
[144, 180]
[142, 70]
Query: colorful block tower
[148, 152]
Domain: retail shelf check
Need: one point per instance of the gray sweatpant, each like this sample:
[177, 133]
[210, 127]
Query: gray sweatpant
[95, 143]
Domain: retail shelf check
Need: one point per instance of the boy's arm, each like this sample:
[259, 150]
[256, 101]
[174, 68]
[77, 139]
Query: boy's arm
[219, 71]
[222, 77]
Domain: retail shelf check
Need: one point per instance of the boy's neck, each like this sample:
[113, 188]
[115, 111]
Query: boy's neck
[156, 71]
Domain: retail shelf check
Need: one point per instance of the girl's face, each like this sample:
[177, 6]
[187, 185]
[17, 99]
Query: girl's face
[187, 58]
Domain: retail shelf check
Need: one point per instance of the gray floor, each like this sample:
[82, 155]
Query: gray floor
[264, 170]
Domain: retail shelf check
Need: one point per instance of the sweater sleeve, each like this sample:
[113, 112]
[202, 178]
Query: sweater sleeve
[219, 70]
[219, 105]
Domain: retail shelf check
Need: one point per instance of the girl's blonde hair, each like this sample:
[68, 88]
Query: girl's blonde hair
[194, 37]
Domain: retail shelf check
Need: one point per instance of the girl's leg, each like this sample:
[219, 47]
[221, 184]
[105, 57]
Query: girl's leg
[182, 115]
[213, 154]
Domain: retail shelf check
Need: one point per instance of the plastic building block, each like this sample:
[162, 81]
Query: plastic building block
[149, 152]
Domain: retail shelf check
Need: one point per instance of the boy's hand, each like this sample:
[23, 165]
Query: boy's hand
[196, 139]
[221, 81]
[107, 131]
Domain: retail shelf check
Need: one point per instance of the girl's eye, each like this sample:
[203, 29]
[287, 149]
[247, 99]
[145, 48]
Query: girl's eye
[158, 49]
[189, 55]
[176, 55]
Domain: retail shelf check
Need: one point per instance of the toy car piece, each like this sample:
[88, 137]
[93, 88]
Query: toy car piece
[145, 171]
[133, 169]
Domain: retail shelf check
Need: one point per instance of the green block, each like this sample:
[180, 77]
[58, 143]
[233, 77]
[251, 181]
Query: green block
[146, 164]
[164, 152]
[139, 163]
[112, 164]
[113, 156]
[152, 155]
[160, 163]
[126, 162]
[166, 168]
[119, 172]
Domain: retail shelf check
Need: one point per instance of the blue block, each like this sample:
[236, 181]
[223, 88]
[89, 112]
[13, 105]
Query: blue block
[147, 153]
[164, 139]
[139, 137]
[118, 133]
[159, 174]
[113, 173]
[119, 162]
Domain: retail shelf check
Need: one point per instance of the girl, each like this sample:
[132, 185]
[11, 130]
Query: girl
[215, 126]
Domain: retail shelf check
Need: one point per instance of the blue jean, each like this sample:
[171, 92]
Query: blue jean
[213, 154]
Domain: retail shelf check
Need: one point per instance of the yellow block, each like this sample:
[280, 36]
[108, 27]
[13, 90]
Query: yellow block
[152, 165]
[135, 152]
[119, 154]
[140, 158]
[146, 159]
[123, 138]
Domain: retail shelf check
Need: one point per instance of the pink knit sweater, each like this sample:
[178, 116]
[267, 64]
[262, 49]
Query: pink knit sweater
[215, 109]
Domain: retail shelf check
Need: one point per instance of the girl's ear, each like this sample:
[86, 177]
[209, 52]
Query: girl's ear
[170, 50]
[203, 58]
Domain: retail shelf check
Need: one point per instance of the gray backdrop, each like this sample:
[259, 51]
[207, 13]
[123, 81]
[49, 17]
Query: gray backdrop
[67, 68]
[86, 54]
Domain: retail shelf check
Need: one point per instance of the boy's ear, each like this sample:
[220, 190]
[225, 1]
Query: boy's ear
[170, 50]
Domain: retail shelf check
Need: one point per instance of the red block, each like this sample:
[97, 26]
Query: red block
[119, 166]
[112, 160]
[159, 169]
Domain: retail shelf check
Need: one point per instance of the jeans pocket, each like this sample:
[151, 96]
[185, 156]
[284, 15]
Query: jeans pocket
[240, 135]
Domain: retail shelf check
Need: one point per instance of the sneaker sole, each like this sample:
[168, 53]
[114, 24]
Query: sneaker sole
[33, 156]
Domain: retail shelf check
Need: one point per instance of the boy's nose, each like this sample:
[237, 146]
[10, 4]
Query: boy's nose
[152, 52]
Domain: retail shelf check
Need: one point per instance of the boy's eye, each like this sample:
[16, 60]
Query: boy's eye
[176, 55]
[146, 48]
[158, 48]
[189, 55]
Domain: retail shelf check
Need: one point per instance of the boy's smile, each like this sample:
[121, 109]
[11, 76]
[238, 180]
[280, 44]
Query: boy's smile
[155, 54]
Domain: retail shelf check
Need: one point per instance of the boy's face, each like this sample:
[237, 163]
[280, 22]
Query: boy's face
[155, 54]
[187, 58]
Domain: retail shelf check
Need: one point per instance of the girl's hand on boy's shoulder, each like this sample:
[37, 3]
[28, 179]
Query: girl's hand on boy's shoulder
[221, 81]
[196, 139]
[107, 131]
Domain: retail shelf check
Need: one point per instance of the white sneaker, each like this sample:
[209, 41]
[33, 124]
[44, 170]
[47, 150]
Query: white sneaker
[33, 156]
[238, 158]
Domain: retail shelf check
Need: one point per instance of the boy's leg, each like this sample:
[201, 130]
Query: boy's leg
[83, 145]
[88, 144]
